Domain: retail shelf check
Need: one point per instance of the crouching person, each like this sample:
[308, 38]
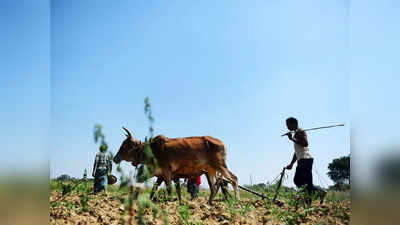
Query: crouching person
[101, 169]
[193, 186]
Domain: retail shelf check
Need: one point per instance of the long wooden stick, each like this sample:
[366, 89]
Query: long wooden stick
[316, 128]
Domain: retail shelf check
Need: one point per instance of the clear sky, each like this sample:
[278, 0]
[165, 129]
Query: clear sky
[232, 70]
[24, 84]
[375, 81]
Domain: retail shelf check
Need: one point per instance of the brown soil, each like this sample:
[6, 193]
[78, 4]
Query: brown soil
[110, 210]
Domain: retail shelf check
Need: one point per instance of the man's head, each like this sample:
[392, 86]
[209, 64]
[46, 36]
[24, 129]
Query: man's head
[103, 147]
[292, 123]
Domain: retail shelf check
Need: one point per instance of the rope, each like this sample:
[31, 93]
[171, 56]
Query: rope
[285, 177]
[325, 184]
[276, 178]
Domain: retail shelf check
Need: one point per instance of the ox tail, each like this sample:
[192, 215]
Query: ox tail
[224, 157]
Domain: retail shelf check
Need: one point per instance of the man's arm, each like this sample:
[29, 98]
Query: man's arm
[289, 167]
[299, 138]
[109, 164]
[94, 166]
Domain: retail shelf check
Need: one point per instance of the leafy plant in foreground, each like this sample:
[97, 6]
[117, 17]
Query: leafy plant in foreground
[184, 213]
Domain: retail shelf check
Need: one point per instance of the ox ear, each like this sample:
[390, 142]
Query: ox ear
[128, 134]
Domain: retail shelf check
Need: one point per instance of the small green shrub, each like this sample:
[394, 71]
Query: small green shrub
[184, 213]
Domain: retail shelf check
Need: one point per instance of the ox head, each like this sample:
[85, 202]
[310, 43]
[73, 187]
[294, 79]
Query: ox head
[130, 150]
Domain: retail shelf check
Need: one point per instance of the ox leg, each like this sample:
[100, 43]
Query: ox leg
[232, 179]
[211, 182]
[155, 187]
[169, 190]
[178, 189]
[217, 185]
[167, 177]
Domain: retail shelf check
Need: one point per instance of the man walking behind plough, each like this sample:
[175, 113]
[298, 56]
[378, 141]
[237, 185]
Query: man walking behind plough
[303, 175]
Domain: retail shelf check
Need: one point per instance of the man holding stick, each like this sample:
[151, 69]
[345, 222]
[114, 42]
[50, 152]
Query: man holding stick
[303, 175]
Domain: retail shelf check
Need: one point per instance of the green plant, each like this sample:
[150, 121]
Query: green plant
[150, 163]
[231, 207]
[155, 211]
[149, 114]
[70, 205]
[83, 187]
[143, 203]
[84, 202]
[184, 213]
[340, 212]
[165, 216]
[66, 188]
[56, 185]
[246, 207]
[54, 204]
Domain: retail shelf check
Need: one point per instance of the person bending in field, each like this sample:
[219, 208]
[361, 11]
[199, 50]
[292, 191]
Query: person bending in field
[101, 168]
[303, 175]
[193, 185]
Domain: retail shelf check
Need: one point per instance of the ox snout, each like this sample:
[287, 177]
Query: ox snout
[117, 159]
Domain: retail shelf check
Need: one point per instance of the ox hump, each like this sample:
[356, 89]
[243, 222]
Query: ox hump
[213, 142]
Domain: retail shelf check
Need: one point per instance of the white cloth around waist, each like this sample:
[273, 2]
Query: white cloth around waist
[302, 152]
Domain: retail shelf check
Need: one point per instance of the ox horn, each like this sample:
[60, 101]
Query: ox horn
[127, 131]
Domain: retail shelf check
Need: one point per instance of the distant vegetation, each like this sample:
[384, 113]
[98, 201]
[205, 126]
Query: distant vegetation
[65, 177]
[339, 172]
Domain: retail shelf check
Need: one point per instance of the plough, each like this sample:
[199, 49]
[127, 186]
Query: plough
[260, 194]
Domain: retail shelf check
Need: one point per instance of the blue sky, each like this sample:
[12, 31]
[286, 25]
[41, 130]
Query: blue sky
[232, 70]
[374, 85]
[24, 84]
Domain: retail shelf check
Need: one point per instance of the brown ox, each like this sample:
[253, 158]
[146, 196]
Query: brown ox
[181, 157]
